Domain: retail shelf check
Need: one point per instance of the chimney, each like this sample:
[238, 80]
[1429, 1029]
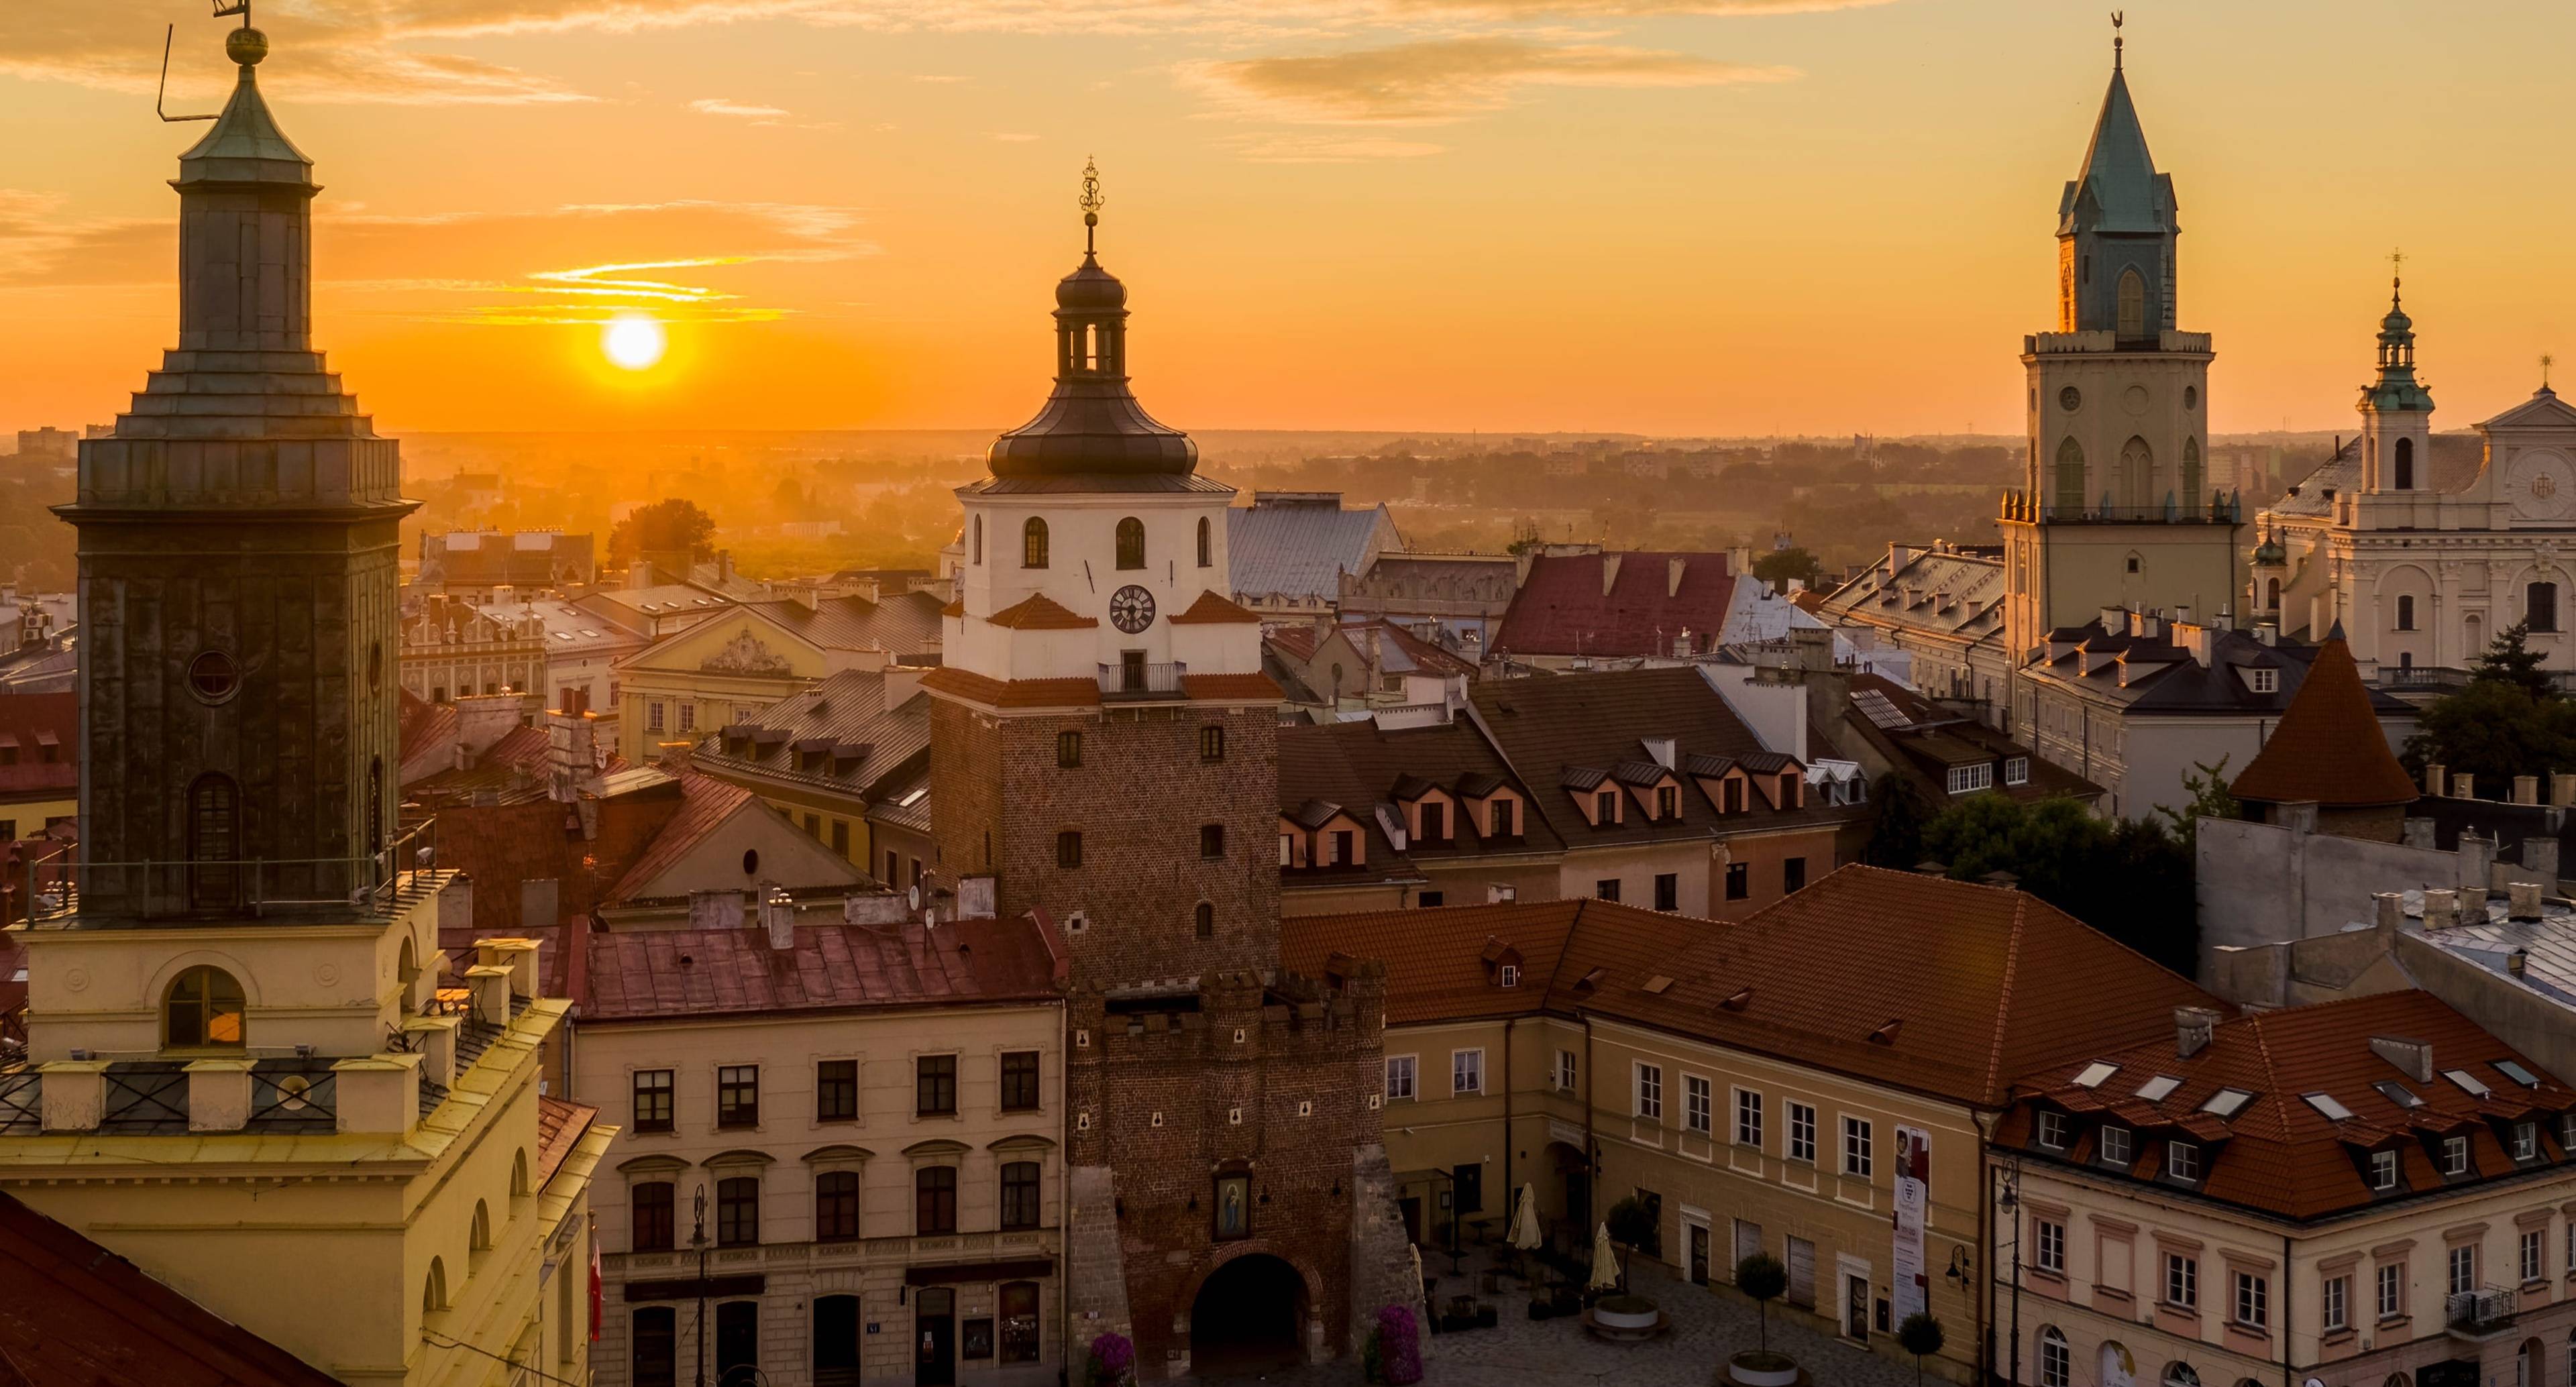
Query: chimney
[2436, 776]
[2526, 789]
[2414, 1058]
[1672, 576]
[2540, 858]
[1662, 749]
[570, 755]
[2464, 786]
[806, 595]
[2522, 900]
[1609, 573]
[2562, 790]
[504, 595]
[2115, 620]
[901, 683]
[2391, 913]
[2441, 910]
[2517, 962]
[2193, 1030]
[724, 565]
[778, 916]
[1898, 556]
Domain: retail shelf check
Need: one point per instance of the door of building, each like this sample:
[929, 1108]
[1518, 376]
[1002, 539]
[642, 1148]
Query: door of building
[1802, 1273]
[1856, 1306]
[934, 1336]
[1699, 1254]
[737, 1343]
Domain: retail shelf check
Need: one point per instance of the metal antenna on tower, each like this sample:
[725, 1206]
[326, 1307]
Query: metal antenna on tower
[170, 31]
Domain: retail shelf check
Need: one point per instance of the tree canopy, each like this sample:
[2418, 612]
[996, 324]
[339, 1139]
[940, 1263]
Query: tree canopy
[2130, 879]
[666, 526]
[1779, 566]
[2508, 720]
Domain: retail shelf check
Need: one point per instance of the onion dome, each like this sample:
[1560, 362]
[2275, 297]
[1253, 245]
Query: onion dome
[2270, 553]
[1090, 289]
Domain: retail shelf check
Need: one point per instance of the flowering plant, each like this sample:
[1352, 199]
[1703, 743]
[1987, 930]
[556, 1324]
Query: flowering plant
[1399, 1347]
[1113, 1361]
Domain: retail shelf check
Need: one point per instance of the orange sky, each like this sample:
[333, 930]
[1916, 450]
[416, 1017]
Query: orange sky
[1667, 216]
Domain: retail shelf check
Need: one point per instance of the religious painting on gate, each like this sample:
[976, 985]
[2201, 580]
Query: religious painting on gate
[1233, 1206]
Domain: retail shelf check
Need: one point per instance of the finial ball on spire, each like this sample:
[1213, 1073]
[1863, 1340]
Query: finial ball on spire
[246, 46]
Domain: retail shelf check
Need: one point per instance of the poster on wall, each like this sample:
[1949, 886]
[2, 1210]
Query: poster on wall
[1913, 1194]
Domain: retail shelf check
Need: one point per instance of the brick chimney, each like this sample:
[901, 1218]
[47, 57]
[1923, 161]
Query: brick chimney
[2194, 1028]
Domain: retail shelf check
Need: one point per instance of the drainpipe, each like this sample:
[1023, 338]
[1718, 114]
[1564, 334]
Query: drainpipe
[1510, 1190]
[1591, 1168]
[2286, 1277]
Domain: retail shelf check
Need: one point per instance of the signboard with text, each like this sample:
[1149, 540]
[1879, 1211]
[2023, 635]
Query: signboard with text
[1913, 1197]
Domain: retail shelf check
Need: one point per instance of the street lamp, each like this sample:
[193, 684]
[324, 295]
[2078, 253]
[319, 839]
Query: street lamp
[2009, 1202]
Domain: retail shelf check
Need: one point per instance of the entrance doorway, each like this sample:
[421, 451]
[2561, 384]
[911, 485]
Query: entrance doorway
[1574, 1178]
[1856, 1306]
[737, 1343]
[1249, 1317]
[1699, 1254]
[934, 1337]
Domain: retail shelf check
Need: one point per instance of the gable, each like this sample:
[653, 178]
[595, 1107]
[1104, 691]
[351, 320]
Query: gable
[742, 641]
[715, 860]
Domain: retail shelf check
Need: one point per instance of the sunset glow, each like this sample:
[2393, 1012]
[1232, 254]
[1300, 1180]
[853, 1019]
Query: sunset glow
[632, 341]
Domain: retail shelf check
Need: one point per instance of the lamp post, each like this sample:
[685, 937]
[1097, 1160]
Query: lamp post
[2010, 1201]
[698, 1241]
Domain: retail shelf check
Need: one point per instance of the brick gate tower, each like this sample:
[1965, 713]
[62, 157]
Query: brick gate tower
[1104, 745]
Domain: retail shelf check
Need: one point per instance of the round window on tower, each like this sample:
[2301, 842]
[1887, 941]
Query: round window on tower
[2069, 398]
[213, 677]
[2191, 397]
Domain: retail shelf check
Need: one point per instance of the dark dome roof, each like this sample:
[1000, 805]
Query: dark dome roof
[1090, 289]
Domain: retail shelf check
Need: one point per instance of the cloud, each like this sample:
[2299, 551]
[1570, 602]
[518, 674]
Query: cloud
[1435, 81]
[719, 106]
[1303, 148]
[1579, 9]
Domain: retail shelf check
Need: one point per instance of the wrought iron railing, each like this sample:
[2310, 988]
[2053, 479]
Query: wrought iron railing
[2219, 509]
[22, 1102]
[58, 885]
[2489, 1307]
[1140, 679]
[149, 1099]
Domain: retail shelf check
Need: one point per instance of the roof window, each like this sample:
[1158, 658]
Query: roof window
[2326, 1106]
[2094, 1073]
[2469, 1083]
[2155, 1089]
[2516, 1073]
[912, 797]
[2397, 1093]
[2227, 1102]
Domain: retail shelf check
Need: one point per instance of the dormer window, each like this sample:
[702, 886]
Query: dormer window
[1970, 779]
[2182, 1161]
[2016, 770]
[2455, 1155]
[1509, 975]
[2383, 1170]
[1605, 807]
[2526, 1141]
[2052, 1130]
[1668, 802]
[1435, 822]
[2262, 680]
[2114, 1143]
[1500, 815]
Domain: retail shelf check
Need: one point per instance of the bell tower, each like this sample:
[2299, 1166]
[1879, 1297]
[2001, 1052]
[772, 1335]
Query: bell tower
[2396, 409]
[2116, 508]
[238, 575]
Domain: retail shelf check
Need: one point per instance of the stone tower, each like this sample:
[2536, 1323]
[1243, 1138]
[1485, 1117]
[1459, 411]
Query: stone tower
[2116, 508]
[1104, 746]
[238, 576]
[2396, 410]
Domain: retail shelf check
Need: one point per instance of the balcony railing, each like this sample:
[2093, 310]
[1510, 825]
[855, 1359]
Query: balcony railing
[2219, 509]
[2487, 1310]
[58, 885]
[1142, 680]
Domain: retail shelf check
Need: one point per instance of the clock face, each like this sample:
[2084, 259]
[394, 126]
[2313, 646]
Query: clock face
[2069, 398]
[1131, 609]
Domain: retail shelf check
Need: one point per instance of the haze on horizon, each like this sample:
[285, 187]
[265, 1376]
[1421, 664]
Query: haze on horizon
[1705, 217]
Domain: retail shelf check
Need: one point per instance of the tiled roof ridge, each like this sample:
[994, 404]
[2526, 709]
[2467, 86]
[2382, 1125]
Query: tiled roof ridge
[1995, 1078]
[2272, 1094]
[1039, 612]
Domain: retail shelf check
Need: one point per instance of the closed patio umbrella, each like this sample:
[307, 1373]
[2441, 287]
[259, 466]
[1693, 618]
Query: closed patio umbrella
[1525, 1234]
[1605, 1263]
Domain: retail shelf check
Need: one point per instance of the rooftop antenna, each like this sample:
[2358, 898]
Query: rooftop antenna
[170, 31]
[1091, 201]
[2117, 19]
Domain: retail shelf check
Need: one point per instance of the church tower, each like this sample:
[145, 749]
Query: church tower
[2396, 411]
[2116, 507]
[249, 1068]
[1105, 748]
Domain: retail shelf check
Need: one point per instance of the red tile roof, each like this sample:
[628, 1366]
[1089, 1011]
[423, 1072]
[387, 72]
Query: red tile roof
[1038, 612]
[705, 803]
[75, 1313]
[1211, 607]
[1975, 985]
[1562, 610]
[655, 975]
[32, 726]
[2280, 1153]
[2328, 747]
[560, 1127]
[970, 687]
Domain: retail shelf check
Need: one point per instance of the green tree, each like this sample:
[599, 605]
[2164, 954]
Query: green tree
[1779, 566]
[666, 526]
[2509, 659]
[2065, 856]
[1761, 1276]
[1897, 839]
[2210, 799]
[1921, 1336]
[2494, 729]
[1630, 1226]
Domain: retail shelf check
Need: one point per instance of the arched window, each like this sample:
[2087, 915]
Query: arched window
[407, 966]
[978, 560]
[2540, 606]
[519, 1174]
[2192, 500]
[2133, 304]
[2056, 1365]
[1206, 920]
[2405, 613]
[2070, 475]
[478, 1236]
[1131, 543]
[2181, 1375]
[202, 1011]
[2403, 476]
[2137, 473]
[433, 1291]
[1207, 543]
[1033, 544]
[2271, 594]
[214, 842]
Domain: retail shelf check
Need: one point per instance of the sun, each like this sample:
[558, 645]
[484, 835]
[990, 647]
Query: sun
[632, 340]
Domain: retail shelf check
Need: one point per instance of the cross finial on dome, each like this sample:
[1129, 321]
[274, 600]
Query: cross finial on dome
[1090, 202]
[2396, 273]
[2546, 361]
[2118, 18]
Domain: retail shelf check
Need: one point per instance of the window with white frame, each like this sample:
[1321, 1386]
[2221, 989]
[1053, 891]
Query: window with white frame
[2392, 1290]
[2535, 1253]
[1510, 975]
[2182, 1160]
[2464, 1268]
[2526, 1140]
[2056, 1362]
[2336, 1303]
[2182, 1281]
[2115, 1145]
[2048, 1245]
[1399, 1077]
[2052, 1130]
[1650, 1092]
[1857, 1143]
[2455, 1155]
[1802, 1133]
[2253, 1300]
[2383, 1170]
[1748, 1117]
[1466, 1071]
[2016, 770]
[2262, 680]
[1699, 1105]
[1967, 779]
[1565, 1071]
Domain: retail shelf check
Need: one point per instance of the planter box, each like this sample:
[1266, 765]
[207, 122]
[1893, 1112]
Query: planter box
[1743, 1376]
[1629, 1319]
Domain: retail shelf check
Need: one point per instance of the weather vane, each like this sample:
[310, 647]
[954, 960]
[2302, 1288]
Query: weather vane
[2117, 19]
[245, 46]
[1091, 201]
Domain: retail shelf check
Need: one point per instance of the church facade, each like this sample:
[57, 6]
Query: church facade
[2422, 571]
[1105, 746]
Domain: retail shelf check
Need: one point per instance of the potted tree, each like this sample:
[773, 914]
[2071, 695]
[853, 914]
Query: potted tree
[1761, 1276]
[1631, 1226]
[1921, 1336]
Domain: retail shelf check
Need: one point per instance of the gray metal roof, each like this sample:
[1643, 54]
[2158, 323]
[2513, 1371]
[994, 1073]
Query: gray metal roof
[1302, 549]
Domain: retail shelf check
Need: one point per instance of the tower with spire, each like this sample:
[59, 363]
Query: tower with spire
[2396, 409]
[249, 1066]
[2117, 506]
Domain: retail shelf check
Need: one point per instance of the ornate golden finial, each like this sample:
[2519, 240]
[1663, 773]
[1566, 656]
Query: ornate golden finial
[2118, 18]
[2396, 271]
[1091, 201]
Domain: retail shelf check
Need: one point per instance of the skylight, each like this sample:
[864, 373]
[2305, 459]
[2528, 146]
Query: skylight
[2516, 1073]
[2469, 1083]
[1880, 710]
[912, 797]
[2227, 1102]
[2155, 1089]
[2095, 1073]
[2397, 1093]
[2325, 1103]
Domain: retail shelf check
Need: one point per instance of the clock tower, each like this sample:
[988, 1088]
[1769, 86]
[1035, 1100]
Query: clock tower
[2117, 508]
